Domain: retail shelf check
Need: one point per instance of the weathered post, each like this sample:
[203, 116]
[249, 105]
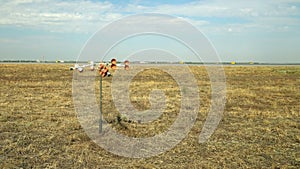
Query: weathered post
[100, 118]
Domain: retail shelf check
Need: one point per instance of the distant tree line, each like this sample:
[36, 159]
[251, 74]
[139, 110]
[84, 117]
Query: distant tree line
[34, 61]
[198, 63]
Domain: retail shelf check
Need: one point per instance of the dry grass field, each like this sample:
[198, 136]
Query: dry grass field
[260, 127]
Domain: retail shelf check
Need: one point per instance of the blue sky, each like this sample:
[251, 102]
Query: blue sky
[260, 31]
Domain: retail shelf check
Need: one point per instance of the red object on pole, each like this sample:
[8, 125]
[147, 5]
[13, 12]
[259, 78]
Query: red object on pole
[126, 63]
[113, 61]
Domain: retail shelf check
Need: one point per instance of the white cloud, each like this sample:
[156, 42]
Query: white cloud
[88, 16]
[255, 14]
[56, 15]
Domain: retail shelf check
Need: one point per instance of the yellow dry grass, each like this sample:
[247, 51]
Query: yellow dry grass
[260, 126]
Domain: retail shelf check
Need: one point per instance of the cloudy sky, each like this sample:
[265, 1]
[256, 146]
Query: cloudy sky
[259, 31]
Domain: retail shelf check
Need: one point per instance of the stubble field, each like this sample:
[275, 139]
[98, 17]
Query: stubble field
[260, 127]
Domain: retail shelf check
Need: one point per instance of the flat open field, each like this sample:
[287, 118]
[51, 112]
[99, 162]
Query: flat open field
[260, 127]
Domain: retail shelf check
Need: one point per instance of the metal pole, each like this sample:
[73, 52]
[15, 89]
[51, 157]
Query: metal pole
[100, 120]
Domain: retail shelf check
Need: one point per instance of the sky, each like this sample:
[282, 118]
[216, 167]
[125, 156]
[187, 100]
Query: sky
[242, 31]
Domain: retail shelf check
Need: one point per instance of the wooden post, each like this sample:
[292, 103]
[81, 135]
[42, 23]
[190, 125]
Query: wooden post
[100, 119]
